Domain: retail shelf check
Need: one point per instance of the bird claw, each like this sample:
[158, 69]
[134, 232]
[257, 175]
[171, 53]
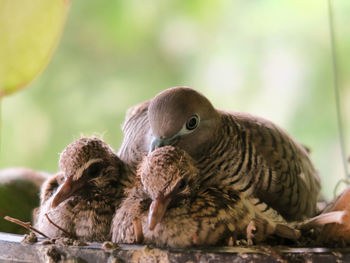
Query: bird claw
[251, 231]
[230, 242]
[259, 229]
[195, 239]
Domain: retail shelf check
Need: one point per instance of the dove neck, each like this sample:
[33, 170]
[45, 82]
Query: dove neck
[224, 138]
[224, 151]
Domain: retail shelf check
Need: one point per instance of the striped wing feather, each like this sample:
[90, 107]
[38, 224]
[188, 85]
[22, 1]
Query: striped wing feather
[290, 183]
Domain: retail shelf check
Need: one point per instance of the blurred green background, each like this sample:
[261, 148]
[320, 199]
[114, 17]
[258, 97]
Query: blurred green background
[268, 58]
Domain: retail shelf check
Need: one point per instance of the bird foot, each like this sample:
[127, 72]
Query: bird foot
[195, 239]
[259, 229]
[251, 231]
[230, 242]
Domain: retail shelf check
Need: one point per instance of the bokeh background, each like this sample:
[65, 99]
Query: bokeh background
[268, 58]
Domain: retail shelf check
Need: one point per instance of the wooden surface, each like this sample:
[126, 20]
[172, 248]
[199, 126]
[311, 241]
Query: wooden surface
[12, 250]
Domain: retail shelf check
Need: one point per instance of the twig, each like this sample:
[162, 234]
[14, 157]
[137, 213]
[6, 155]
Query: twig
[60, 228]
[24, 224]
[337, 95]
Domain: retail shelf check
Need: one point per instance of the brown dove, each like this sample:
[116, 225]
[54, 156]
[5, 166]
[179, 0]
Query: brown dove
[83, 205]
[169, 206]
[251, 154]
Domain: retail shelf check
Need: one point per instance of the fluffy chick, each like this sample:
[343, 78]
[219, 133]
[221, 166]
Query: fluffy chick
[169, 206]
[84, 203]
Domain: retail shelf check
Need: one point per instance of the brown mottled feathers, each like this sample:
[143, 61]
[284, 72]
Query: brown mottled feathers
[163, 168]
[49, 187]
[195, 213]
[84, 203]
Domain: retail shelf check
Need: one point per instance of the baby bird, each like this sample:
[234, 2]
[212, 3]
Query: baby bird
[83, 205]
[49, 187]
[169, 206]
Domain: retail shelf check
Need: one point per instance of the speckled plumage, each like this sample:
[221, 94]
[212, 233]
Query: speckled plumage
[251, 154]
[49, 187]
[84, 203]
[196, 213]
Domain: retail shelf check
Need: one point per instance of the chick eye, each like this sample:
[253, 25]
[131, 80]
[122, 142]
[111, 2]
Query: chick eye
[93, 170]
[192, 122]
[182, 184]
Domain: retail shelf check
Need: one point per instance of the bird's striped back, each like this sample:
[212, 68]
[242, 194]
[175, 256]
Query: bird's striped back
[258, 158]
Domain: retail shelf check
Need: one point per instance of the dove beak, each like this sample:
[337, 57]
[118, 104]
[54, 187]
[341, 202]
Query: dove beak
[157, 211]
[160, 142]
[156, 143]
[66, 190]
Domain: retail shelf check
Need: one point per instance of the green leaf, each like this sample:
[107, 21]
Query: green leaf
[29, 33]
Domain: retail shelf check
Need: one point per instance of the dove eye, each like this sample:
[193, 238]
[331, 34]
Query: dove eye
[192, 122]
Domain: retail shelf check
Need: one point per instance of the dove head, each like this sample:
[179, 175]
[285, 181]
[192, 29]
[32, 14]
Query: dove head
[167, 174]
[83, 164]
[183, 117]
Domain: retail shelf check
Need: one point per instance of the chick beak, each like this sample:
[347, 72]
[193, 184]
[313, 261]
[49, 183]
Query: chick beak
[65, 191]
[157, 210]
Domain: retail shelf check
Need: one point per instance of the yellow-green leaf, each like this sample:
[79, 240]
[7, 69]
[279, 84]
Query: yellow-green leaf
[29, 33]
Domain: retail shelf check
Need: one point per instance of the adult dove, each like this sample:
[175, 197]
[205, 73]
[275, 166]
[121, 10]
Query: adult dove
[170, 206]
[83, 204]
[252, 154]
